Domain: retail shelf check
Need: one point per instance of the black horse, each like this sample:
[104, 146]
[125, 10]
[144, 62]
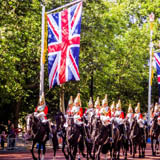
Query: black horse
[74, 138]
[39, 133]
[155, 133]
[138, 139]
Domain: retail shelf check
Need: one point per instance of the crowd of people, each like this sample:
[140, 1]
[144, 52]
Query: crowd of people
[8, 136]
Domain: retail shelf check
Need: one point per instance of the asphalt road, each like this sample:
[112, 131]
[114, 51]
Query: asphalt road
[26, 155]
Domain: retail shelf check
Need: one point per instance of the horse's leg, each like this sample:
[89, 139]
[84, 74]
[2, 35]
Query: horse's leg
[74, 152]
[55, 144]
[39, 151]
[32, 150]
[81, 147]
[152, 146]
[44, 150]
[63, 149]
[157, 146]
[139, 147]
[134, 149]
[130, 147]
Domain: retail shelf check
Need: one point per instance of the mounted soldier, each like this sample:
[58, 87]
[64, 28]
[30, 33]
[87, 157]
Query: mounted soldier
[77, 110]
[119, 114]
[130, 114]
[105, 111]
[70, 106]
[138, 115]
[90, 110]
[156, 110]
[113, 109]
[97, 107]
[41, 110]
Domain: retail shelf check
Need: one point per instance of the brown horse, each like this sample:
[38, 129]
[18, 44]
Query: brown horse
[138, 139]
[154, 134]
[39, 133]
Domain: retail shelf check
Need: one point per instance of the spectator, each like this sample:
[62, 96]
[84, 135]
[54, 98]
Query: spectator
[11, 136]
[9, 125]
[3, 139]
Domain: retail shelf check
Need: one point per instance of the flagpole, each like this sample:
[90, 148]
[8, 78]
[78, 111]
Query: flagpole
[42, 51]
[66, 5]
[151, 18]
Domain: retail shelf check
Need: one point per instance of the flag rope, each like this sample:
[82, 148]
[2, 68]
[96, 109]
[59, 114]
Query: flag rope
[66, 5]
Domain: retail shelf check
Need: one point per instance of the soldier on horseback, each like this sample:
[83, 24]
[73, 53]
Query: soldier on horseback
[97, 107]
[138, 115]
[130, 114]
[105, 112]
[112, 110]
[77, 110]
[42, 109]
[70, 106]
[119, 114]
[156, 110]
[89, 111]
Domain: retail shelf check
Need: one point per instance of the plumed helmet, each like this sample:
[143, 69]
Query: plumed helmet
[130, 110]
[77, 99]
[90, 101]
[118, 105]
[137, 109]
[70, 102]
[42, 99]
[105, 100]
[113, 105]
[97, 103]
[156, 108]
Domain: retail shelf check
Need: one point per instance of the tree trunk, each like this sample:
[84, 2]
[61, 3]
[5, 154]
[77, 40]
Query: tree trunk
[16, 113]
[91, 85]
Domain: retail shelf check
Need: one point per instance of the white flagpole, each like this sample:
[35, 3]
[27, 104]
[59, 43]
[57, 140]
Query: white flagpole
[151, 18]
[68, 4]
[42, 51]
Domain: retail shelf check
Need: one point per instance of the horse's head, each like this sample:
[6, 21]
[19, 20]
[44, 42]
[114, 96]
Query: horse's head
[31, 122]
[28, 119]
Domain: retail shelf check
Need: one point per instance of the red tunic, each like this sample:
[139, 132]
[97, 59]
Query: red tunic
[108, 114]
[80, 112]
[45, 111]
[121, 115]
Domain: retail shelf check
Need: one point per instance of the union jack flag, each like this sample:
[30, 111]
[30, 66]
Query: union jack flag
[157, 61]
[63, 45]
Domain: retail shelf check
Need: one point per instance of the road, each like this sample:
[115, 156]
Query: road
[26, 155]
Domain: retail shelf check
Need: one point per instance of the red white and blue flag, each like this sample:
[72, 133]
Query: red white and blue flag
[63, 45]
[157, 62]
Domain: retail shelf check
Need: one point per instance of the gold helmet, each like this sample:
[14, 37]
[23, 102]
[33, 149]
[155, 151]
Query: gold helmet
[113, 105]
[137, 109]
[77, 99]
[70, 102]
[105, 101]
[156, 108]
[118, 105]
[97, 103]
[130, 110]
[42, 99]
[90, 102]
